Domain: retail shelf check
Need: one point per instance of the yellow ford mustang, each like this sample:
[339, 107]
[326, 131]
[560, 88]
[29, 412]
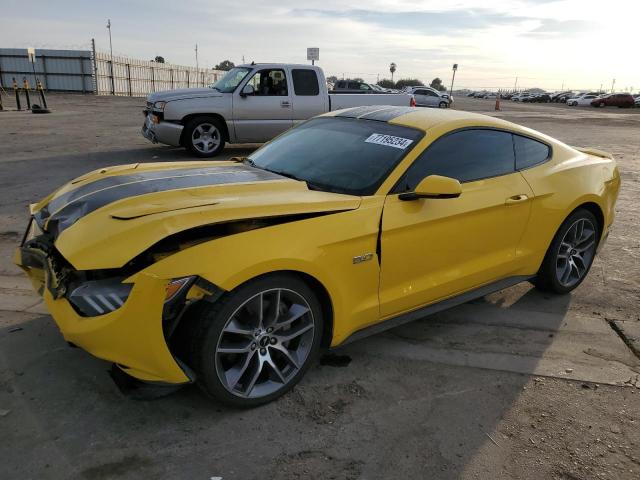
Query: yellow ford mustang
[234, 274]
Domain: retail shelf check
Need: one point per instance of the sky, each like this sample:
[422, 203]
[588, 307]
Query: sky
[551, 44]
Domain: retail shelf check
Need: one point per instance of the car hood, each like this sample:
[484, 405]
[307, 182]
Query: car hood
[183, 93]
[107, 217]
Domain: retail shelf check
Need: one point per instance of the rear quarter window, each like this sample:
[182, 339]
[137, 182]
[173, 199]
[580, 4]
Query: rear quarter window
[529, 152]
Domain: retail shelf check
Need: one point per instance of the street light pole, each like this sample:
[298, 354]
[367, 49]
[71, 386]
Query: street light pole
[453, 77]
[197, 66]
[113, 83]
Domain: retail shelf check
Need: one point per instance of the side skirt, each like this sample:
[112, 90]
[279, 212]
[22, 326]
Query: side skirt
[435, 308]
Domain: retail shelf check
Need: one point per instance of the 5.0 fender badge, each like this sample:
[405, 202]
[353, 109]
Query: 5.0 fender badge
[362, 258]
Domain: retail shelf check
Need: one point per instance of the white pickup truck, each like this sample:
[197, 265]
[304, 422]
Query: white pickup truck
[250, 104]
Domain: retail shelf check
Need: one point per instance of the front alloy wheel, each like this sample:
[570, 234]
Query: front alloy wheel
[264, 343]
[258, 340]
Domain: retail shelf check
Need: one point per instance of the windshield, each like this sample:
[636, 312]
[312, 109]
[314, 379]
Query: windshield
[342, 155]
[231, 80]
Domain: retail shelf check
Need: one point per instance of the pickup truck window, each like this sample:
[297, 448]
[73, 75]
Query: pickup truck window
[269, 82]
[342, 155]
[231, 80]
[305, 82]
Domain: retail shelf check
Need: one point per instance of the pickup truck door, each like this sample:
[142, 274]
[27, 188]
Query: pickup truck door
[308, 97]
[267, 112]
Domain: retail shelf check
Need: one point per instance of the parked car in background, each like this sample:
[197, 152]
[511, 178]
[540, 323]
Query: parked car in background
[620, 100]
[490, 96]
[251, 104]
[428, 97]
[582, 100]
[353, 86]
[637, 101]
[521, 97]
[445, 95]
[562, 97]
[541, 98]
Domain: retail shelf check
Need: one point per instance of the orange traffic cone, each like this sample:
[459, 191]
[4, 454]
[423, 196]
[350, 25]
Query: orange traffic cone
[498, 102]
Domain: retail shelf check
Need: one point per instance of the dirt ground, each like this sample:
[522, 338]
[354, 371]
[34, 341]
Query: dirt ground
[518, 385]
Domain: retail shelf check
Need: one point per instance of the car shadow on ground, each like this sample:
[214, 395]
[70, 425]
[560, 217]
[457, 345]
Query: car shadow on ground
[391, 412]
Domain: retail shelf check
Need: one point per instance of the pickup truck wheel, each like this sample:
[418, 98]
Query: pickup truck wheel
[203, 136]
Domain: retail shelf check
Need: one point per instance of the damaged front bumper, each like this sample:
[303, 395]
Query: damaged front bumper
[131, 335]
[157, 130]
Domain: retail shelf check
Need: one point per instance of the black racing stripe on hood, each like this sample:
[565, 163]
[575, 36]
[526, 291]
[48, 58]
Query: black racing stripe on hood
[64, 211]
[380, 113]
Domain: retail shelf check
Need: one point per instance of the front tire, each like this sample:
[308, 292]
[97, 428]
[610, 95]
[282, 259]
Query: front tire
[256, 343]
[203, 136]
[570, 254]
[443, 105]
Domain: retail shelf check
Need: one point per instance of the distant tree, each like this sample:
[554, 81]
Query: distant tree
[437, 84]
[159, 59]
[386, 83]
[332, 79]
[392, 69]
[225, 65]
[407, 82]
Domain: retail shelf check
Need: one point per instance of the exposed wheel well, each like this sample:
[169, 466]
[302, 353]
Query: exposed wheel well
[220, 118]
[325, 302]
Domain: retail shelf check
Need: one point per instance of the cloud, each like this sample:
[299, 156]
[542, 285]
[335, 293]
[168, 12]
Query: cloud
[427, 22]
[552, 29]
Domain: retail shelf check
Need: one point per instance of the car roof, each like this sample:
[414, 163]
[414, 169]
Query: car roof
[422, 119]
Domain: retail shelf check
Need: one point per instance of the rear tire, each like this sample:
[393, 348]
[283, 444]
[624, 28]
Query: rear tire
[570, 255]
[203, 136]
[257, 341]
[443, 105]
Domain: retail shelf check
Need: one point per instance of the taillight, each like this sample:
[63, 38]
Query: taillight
[412, 103]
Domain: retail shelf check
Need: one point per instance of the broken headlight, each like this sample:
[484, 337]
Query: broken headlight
[99, 297]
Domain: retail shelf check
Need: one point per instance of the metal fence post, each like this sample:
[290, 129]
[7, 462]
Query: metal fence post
[153, 79]
[129, 78]
[188, 79]
[113, 83]
[171, 71]
[44, 71]
[84, 90]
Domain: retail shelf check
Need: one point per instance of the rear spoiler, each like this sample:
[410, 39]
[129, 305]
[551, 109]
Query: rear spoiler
[595, 152]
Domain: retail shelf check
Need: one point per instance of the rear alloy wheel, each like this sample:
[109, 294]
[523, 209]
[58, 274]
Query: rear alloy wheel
[443, 105]
[203, 136]
[571, 253]
[260, 341]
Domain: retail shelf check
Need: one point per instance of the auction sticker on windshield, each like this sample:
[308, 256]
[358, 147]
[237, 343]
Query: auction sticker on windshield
[389, 140]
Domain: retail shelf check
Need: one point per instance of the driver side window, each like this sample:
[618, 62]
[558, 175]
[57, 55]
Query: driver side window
[271, 82]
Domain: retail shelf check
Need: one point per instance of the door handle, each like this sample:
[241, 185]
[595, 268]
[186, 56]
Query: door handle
[516, 199]
[285, 104]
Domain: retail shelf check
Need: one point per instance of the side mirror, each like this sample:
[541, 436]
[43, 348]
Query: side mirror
[434, 186]
[247, 90]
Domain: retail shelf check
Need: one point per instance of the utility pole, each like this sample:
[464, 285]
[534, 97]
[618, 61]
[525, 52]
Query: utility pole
[613, 84]
[197, 66]
[242, 58]
[515, 85]
[110, 44]
[113, 83]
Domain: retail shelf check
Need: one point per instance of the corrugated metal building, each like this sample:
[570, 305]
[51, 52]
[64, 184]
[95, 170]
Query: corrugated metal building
[58, 70]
